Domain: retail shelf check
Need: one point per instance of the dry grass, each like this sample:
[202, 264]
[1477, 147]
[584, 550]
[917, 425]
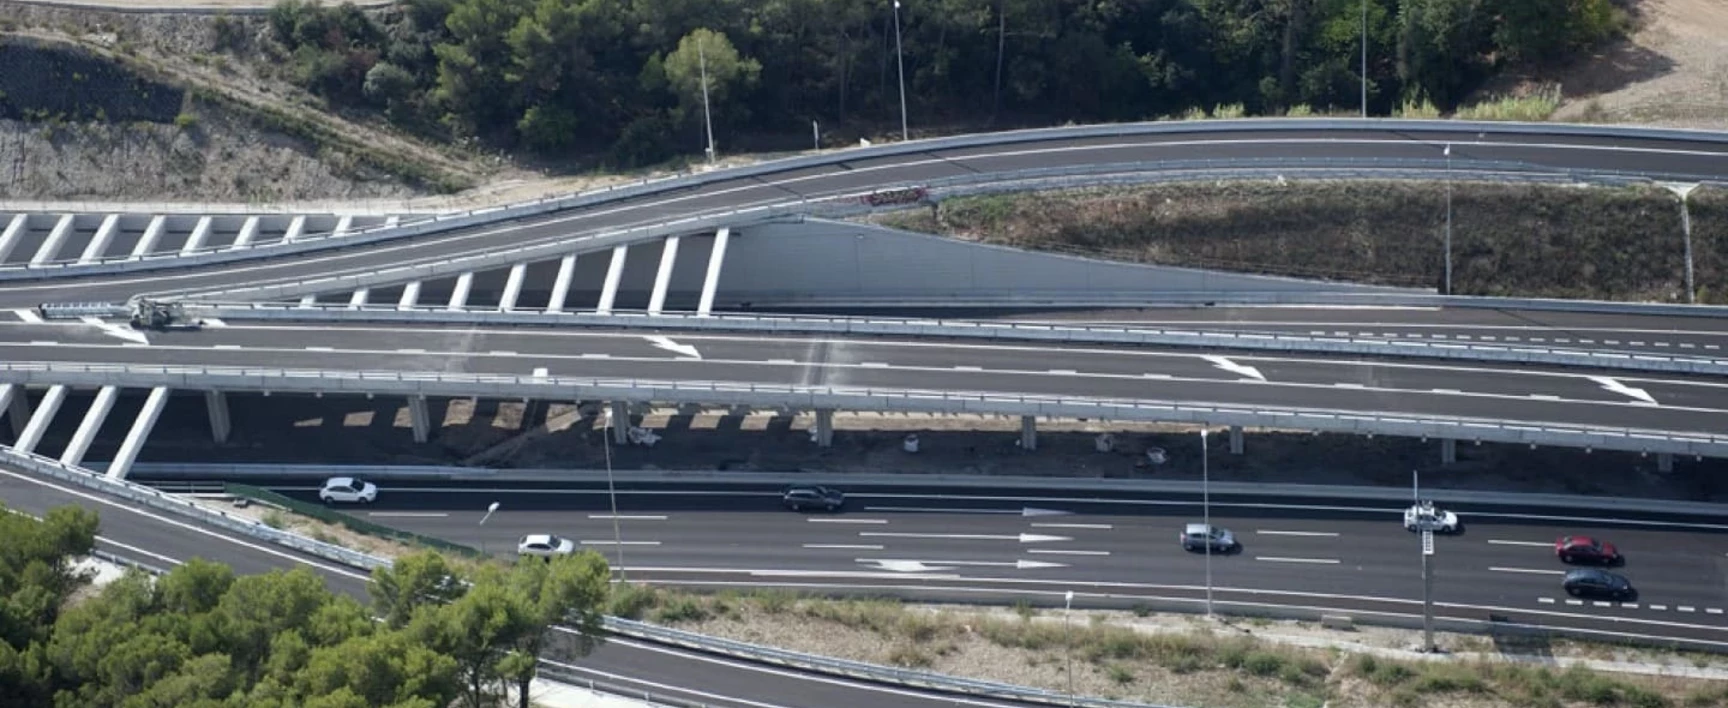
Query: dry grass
[1208, 665]
[1508, 240]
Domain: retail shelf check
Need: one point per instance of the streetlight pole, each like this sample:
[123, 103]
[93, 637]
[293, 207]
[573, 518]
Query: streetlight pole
[1683, 191]
[1068, 641]
[900, 58]
[1425, 527]
[1448, 219]
[707, 118]
[612, 492]
[1206, 512]
[1364, 58]
[490, 508]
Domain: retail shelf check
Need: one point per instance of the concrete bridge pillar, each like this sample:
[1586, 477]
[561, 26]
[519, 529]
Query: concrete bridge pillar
[420, 418]
[38, 425]
[711, 281]
[561, 284]
[1665, 462]
[134, 442]
[15, 406]
[614, 276]
[663, 276]
[620, 421]
[220, 424]
[824, 427]
[1028, 432]
[80, 444]
[1236, 443]
[1448, 452]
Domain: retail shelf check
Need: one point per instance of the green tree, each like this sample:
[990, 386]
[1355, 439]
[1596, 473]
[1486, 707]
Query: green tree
[565, 599]
[728, 73]
[411, 582]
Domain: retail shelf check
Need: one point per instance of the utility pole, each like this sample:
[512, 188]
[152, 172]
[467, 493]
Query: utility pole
[707, 118]
[1206, 512]
[1426, 528]
[1364, 58]
[900, 58]
[1683, 191]
[1448, 219]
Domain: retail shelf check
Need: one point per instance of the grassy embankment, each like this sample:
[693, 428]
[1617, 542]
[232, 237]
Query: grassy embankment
[1206, 665]
[1508, 240]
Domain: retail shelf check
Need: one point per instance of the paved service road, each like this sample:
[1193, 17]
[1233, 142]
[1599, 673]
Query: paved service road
[1116, 548]
[1367, 147]
[163, 541]
[1575, 397]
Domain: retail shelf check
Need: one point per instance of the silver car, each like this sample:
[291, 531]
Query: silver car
[1198, 537]
[544, 546]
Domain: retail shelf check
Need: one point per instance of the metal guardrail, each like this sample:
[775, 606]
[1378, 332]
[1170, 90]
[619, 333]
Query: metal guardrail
[620, 192]
[988, 330]
[803, 397]
[857, 669]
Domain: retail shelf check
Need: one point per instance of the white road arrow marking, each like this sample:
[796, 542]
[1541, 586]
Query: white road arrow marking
[1023, 538]
[913, 566]
[1616, 386]
[1238, 369]
[1027, 511]
[113, 330]
[660, 342]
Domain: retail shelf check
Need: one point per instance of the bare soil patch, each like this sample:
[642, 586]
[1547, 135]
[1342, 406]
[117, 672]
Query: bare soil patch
[1672, 70]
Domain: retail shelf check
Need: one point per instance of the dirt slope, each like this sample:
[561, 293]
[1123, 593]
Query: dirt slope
[1672, 71]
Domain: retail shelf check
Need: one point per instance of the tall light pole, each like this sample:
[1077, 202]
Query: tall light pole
[1364, 58]
[1683, 191]
[1426, 529]
[1068, 641]
[900, 58]
[1448, 219]
[707, 118]
[1206, 512]
[490, 508]
[612, 492]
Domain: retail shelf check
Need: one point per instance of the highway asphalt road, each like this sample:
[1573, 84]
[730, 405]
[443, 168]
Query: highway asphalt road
[1674, 159]
[1346, 555]
[163, 541]
[1569, 396]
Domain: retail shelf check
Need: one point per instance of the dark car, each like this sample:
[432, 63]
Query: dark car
[801, 498]
[1590, 582]
[1583, 549]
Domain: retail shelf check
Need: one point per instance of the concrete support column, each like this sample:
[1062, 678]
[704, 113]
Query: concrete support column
[99, 243]
[38, 424]
[1665, 462]
[220, 424]
[1236, 440]
[420, 418]
[620, 421]
[561, 284]
[513, 287]
[410, 296]
[200, 234]
[152, 235]
[663, 278]
[614, 274]
[343, 226]
[711, 281]
[74, 454]
[1448, 452]
[459, 294]
[13, 233]
[134, 442]
[307, 301]
[15, 407]
[1028, 432]
[51, 246]
[824, 427]
[248, 233]
[296, 229]
[359, 298]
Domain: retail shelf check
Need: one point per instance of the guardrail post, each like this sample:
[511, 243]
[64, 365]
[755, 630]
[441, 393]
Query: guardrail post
[15, 407]
[1028, 432]
[420, 418]
[1448, 451]
[1665, 462]
[220, 424]
[1236, 440]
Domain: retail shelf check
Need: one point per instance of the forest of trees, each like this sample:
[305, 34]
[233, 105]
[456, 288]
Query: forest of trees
[200, 637]
[621, 78]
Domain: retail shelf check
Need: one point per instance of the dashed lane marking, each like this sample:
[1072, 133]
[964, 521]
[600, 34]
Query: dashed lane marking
[844, 546]
[1267, 532]
[1499, 542]
[1531, 571]
[628, 517]
[609, 542]
[1545, 600]
[847, 521]
[1064, 372]
[1063, 552]
[28, 316]
[1658, 607]
[1074, 526]
[1280, 559]
[1575, 603]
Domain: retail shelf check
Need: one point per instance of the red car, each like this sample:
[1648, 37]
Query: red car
[1581, 549]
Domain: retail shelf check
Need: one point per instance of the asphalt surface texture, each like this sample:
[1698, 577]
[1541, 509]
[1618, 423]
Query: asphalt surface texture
[1489, 391]
[1113, 549]
[1671, 159]
[162, 541]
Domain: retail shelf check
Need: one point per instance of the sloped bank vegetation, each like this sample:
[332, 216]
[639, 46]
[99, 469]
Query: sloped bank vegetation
[1524, 240]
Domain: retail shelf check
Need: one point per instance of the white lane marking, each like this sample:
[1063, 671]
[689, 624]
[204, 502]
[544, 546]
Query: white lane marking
[1538, 544]
[872, 365]
[1545, 600]
[126, 334]
[1446, 390]
[1267, 532]
[1686, 608]
[408, 514]
[847, 521]
[337, 570]
[411, 351]
[541, 372]
[1074, 526]
[1575, 603]
[845, 546]
[320, 349]
[1155, 376]
[1062, 552]
[1600, 603]
[666, 688]
[687, 351]
[140, 551]
[1064, 372]
[781, 361]
[1544, 397]
[593, 355]
[1022, 538]
[42, 343]
[628, 517]
[1658, 607]
[1713, 610]
[213, 322]
[968, 368]
[1280, 559]
[500, 352]
[1531, 571]
[1614, 385]
[1637, 344]
[1629, 605]
[29, 316]
[1349, 385]
[1242, 370]
[610, 542]
[229, 347]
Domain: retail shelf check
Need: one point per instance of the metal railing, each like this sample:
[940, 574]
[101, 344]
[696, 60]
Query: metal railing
[619, 192]
[995, 330]
[804, 397]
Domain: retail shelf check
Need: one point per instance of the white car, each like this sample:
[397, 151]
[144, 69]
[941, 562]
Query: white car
[545, 546]
[348, 490]
[1424, 514]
